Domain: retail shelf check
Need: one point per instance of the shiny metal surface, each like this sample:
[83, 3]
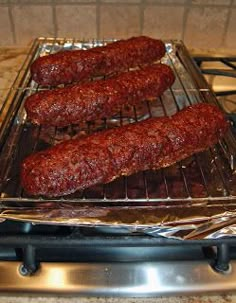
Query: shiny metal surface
[202, 180]
[192, 199]
[118, 279]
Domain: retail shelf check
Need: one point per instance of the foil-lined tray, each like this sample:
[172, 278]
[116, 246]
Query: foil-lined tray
[194, 199]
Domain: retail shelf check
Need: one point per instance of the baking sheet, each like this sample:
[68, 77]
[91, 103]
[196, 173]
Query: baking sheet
[193, 199]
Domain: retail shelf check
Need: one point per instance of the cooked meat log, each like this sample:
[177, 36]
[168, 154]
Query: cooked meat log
[70, 66]
[104, 156]
[98, 99]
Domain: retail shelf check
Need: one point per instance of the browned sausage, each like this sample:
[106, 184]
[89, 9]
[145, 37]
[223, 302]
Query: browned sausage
[77, 65]
[98, 99]
[105, 156]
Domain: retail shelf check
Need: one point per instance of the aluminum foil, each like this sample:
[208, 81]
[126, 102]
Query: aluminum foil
[194, 199]
[196, 222]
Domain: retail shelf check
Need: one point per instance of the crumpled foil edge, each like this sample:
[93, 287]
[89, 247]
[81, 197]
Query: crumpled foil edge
[174, 223]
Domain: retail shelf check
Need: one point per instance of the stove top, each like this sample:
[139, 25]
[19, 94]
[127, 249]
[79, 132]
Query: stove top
[88, 261]
[93, 261]
[220, 73]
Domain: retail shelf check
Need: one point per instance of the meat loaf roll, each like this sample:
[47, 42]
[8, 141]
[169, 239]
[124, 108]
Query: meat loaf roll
[69, 66]
[107, 155]
[98, 99]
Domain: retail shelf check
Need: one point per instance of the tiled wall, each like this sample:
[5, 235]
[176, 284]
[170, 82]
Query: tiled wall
[199, 23]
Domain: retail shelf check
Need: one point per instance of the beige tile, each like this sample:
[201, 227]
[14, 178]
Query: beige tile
[121, 1]
[166, 1]
[220, 298]
[31, 22]
[11, 59]
[231, 32]
[163, 22]
[74, 1]
[211, 2]
[6, 37]
[119, 21]
[205, 27]
[76, 21]
[36, 2]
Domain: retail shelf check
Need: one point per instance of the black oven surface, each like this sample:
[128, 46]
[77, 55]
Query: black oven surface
[90, 261]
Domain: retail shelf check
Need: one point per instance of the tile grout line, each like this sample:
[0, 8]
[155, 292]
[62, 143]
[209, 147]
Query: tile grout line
[54, 18]
[32, 2]
[98, 19]
[187, 6]
[124, 3]
[70, 3]
[12, 24]
[187, 3]
[226, 27]
[141, 16]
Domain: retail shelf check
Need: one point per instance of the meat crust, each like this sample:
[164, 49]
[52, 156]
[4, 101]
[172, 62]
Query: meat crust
[98, 99]
[73, 66]
[104, 156]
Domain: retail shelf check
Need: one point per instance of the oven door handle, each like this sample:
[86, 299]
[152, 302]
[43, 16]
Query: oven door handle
[139, 279]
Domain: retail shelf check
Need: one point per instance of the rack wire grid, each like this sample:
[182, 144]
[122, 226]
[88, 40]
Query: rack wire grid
[206, 177]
